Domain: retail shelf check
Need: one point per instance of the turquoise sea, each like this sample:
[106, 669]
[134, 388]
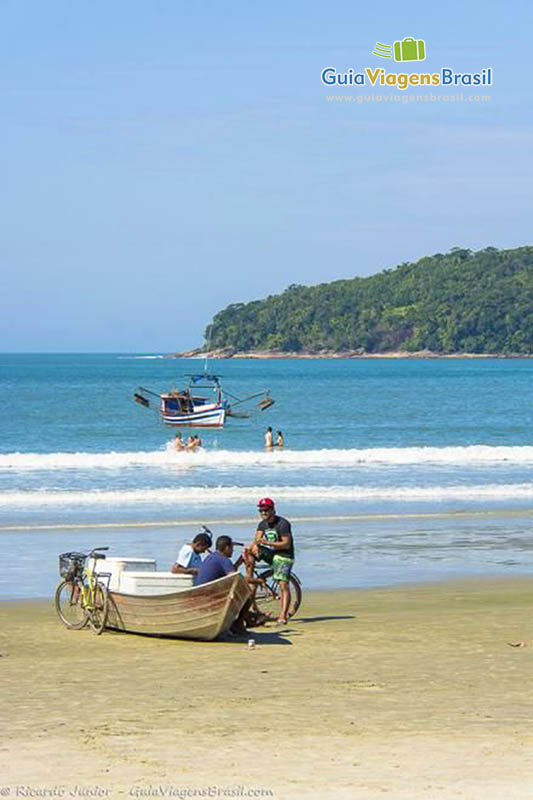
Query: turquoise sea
[394, 470]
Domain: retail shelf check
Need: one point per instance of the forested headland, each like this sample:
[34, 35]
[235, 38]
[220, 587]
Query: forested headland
[458, 302]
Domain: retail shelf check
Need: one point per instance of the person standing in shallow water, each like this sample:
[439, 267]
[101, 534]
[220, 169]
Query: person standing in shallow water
[280, 442]
[269, 442]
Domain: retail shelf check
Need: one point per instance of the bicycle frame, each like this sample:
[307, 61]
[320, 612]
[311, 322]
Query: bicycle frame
[88, 588]
[88, 583]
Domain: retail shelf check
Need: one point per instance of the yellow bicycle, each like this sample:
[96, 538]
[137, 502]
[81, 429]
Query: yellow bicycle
[81, 597]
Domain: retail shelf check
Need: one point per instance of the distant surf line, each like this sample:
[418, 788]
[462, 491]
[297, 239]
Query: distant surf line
[486, 514]
[469, 455]
[209, 495]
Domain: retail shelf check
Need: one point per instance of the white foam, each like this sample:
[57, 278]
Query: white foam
[475, 455]
[140, 357]
[85, 461]
[209, 495]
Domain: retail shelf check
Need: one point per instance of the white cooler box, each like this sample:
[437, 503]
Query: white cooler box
[116, 566]
[146, 583]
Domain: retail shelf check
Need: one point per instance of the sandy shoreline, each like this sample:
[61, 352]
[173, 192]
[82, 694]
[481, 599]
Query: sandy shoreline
[411, 692]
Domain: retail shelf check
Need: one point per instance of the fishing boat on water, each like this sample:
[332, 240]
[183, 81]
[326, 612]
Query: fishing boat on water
[187, 408]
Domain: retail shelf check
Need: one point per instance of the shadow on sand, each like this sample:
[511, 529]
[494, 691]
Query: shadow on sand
[261, 636]
[323, 619]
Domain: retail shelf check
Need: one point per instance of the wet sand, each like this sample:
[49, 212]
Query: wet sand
[409, 692]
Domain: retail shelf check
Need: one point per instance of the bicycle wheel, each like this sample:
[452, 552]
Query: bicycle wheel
[267, 597]
[69, 606]
[296, 595]
[98, 611]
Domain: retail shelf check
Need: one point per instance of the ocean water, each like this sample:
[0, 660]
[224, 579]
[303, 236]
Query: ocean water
[393, 470]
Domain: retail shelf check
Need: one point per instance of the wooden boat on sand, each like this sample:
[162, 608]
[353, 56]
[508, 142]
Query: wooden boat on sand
[200, 612]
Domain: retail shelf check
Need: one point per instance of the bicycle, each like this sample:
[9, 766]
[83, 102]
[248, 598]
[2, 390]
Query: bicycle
[267, 595]
[81, 597]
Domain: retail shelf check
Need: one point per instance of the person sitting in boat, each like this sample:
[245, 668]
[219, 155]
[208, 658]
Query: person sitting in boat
[219, 563]
[190, 556]
[185, 401]
[178, 442]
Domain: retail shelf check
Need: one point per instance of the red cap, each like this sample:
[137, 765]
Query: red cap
[265, 502]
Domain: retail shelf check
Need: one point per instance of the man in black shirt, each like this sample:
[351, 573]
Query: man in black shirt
[273, 543]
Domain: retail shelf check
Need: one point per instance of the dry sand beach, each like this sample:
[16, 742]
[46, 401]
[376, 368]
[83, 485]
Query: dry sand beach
[410, 692]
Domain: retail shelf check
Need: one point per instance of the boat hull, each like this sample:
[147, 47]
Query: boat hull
[203, 612]
[214, 418]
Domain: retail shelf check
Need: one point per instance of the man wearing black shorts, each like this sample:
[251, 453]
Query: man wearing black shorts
[273, 543]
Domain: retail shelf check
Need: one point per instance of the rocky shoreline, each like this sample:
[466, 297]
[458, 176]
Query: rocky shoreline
[230, 352]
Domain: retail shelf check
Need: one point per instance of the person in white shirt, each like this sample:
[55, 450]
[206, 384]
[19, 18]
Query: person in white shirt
[191, 555]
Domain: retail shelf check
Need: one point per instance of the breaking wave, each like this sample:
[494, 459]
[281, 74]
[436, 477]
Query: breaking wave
[209, 495]
[139, 357]
[475, 455]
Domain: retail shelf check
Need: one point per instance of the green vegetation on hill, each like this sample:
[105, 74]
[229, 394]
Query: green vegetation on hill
[460, 302]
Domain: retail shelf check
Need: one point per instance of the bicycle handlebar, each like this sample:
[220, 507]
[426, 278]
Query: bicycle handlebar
[95, 554]
[210, 533]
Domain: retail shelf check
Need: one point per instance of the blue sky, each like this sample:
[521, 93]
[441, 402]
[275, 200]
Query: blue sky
[161, 160]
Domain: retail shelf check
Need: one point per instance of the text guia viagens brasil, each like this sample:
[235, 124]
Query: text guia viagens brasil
[403, 80]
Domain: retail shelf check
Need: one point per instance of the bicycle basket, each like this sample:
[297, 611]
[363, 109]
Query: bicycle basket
[71, 564]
